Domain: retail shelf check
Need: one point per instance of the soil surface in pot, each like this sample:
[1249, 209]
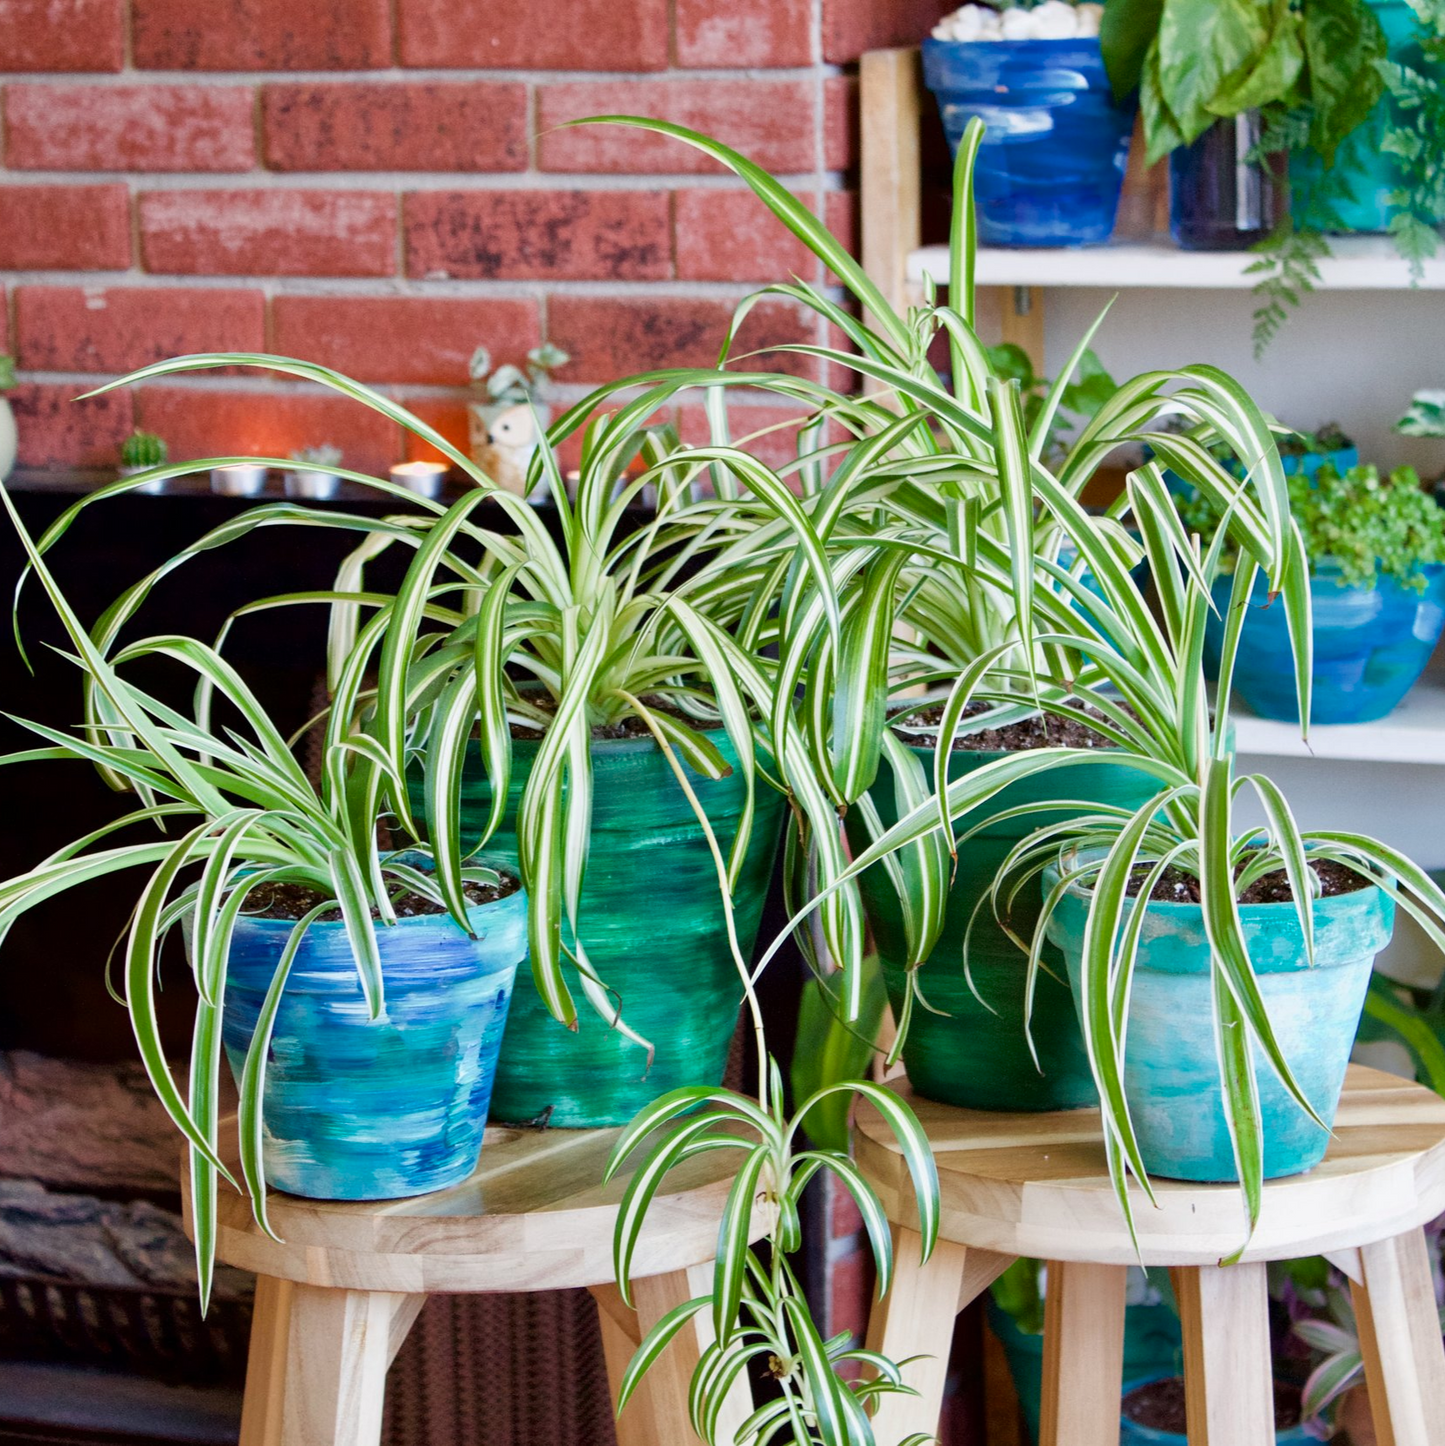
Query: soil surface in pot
[629, 727]
[295, 901]
[1044, 731]
[1160, 1405]
[1177, 886]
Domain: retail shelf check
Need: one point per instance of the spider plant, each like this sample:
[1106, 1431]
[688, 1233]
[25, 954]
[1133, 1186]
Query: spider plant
[229, 809]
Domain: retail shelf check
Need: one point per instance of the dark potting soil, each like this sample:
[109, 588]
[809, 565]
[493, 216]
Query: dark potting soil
[295, 901]
[1160, 1405]
[1177, 886]
[629, 727]
[1044, 731]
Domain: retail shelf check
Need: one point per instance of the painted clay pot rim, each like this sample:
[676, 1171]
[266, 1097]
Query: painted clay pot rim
[517, 897]
[1249, 911]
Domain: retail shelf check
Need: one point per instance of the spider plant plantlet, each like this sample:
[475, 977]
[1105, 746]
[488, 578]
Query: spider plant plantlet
[233, 816]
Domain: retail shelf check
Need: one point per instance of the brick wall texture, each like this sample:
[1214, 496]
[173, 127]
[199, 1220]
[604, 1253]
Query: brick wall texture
[384, 185]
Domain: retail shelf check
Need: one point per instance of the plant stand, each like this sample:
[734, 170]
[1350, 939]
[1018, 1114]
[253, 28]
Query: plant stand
[338, 1292]
[1038, 1185]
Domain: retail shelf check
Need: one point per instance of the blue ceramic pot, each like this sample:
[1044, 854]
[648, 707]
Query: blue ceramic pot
[357, 1109]
[1370, 646]
[1131, 1433]
[1171, 1076]
[1053, 157]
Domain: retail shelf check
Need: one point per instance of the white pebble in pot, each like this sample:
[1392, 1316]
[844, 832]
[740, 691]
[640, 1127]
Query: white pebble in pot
[1054, 20]
[1019, 25]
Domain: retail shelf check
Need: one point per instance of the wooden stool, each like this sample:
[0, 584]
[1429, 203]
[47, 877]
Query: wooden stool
[335, 1301]
[1037, 1185]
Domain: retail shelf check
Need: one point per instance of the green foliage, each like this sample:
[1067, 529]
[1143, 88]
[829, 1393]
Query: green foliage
[1366, 525]
[758, 1315]
[829, 1049]
[7, 371]
[143, 449]
[1019, 1293]
[1418, 140]
[1196, 61]
[1085, 391]
[1425, 417]
[513, 384]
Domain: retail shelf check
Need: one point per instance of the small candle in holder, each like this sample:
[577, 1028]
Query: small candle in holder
[423, 477]
[240, 480]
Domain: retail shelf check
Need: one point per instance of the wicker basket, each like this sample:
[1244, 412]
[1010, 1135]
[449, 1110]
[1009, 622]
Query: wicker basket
[158, 1332]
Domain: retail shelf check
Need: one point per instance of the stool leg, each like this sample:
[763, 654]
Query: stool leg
[657, 1415]
[1228, 1374]
[916, 1318]
[1400, 1341]
[316, 1372]
[1083, 1354]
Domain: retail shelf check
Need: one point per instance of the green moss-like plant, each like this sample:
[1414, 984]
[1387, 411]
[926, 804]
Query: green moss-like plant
[1367, 524]
[7, 371]
[142, 449]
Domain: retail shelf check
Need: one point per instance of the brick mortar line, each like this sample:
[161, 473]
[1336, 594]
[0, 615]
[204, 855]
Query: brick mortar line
[399, 288]
[262, 384]
[403, 181]
[673, 75]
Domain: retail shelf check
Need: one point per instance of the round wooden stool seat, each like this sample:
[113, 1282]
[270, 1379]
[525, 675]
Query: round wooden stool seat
[1015, 1185]
[338, 1292]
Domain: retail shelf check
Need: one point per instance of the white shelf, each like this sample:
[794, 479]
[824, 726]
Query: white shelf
[1359, 263]
[1413, 733]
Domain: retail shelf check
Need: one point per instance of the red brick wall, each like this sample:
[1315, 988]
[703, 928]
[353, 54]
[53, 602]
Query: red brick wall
[378, 185]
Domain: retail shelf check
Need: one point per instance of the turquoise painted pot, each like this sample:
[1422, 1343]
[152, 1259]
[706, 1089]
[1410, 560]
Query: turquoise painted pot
[362, 1109]
[1370, 645]
[1171, 1077]
[1131, 1433]
[1368, 170]
[653, 925]
[975, 1052]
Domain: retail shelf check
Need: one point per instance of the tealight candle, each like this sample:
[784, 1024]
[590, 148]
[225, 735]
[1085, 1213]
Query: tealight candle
[423, 477]
[244, 479]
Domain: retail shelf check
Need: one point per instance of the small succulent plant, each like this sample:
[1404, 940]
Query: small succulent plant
[142, 449]
[326, 455]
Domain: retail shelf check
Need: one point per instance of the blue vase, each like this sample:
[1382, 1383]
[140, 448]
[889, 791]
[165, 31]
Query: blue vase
[1171, 1075]
[1053, 157]
[362, 1109]
[1370, 646]
[1369, 171]
[1220, 199]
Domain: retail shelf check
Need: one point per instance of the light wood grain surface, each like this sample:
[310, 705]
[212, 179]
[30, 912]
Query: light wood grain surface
[1037, 1185]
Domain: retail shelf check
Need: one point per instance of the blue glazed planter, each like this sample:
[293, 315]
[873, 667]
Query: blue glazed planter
[357, 1109]
[1131, 1433]
[1052, 160]
[1171, 1076]
[1370, 646]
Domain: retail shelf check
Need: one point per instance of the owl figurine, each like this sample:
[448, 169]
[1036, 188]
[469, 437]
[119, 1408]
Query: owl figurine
[502, 444]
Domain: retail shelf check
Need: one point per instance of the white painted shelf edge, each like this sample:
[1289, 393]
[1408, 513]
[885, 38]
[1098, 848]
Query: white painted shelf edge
[1359, 263]
[1413, 733]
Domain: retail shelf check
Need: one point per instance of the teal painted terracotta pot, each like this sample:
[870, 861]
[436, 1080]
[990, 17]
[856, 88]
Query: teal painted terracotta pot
[975, 1053]
[1132, 1433]
[652, 922]
[1171, 1077]
[363, 1109]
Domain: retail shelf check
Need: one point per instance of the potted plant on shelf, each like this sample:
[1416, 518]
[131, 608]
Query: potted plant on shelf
[506, 427]
[141, 452]
[360, 1015]
[1376, 546]
[1052, 164]
[316, 477]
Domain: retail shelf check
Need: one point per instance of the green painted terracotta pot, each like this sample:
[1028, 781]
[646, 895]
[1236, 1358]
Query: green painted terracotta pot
[653, 926]
[976, 1054]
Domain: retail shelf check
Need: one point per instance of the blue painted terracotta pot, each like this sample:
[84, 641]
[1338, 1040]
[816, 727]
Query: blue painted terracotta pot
[1053, 157]
[357, 1109]
[1171, 1076]
[1370, 646]
[1131, 1433]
